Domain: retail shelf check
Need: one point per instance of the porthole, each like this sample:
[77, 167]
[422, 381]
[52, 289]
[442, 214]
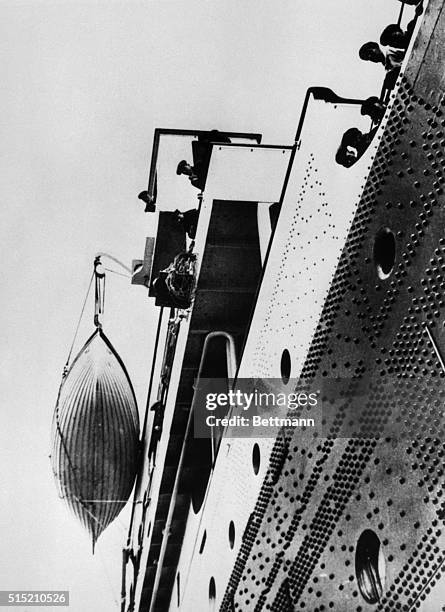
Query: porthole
[256, 458]
[212, 594]
[370, 566]
[285, 366]
[232, 534]
[384, 252]
[203, 542]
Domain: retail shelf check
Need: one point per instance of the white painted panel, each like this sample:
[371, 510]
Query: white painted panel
[249, 174]
[175, 191]
[316, 215]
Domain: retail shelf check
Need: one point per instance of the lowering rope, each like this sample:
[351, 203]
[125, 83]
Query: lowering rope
[100, 297]
[65, 369]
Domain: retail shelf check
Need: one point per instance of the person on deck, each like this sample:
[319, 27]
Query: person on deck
[148, 200]
[374, 108]
[158, 408]
[353, 144]
[201, 148]
[188, 220]
[395, 42]
[391, 59]
[192, 172]
[158, 418]
[394, 36]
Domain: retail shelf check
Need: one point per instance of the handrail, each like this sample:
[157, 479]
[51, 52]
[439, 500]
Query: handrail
[326, 95]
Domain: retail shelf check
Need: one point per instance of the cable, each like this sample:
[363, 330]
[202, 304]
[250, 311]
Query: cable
[116, 260]
[78, 325]
[118, 273]
[110, 584]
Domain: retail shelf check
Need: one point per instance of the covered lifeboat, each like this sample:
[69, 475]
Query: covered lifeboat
[95, 433]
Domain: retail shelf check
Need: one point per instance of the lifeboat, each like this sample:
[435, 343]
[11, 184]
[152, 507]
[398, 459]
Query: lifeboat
[95, 435]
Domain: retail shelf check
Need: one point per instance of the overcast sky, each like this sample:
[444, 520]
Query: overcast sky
[83, 86]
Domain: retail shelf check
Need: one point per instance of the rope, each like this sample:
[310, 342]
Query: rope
[77, 329]
[118, 273]
[108, 578]
[116, 260]
[88, 511]
[73, 469]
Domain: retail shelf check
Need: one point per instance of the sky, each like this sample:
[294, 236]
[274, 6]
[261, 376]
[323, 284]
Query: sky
[84, 85]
